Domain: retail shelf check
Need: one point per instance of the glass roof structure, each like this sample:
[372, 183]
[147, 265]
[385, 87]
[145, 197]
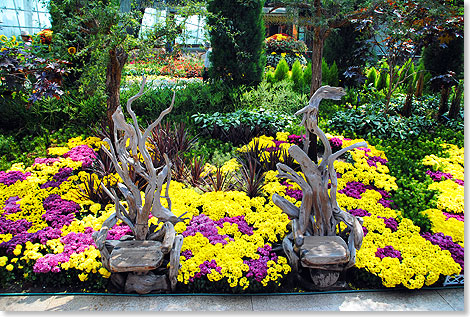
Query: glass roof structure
[31, 16]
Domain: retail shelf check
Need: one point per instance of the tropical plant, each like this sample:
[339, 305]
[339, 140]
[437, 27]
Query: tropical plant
[23, 72]
[170, 139]
[216, 180]
[251, 177]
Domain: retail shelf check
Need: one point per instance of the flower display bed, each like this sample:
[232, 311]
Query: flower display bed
[231, 241]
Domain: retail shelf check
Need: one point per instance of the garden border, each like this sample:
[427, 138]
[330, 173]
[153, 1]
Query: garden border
[241, 294]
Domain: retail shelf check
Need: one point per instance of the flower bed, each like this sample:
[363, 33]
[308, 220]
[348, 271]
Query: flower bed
[229, 239]
[164, 65]
[284, 46]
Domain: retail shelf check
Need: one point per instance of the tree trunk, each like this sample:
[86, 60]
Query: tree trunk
[317, 55]
[406, 111]
[455, 105]
[443, 106]
[419, 86]
[117, 60]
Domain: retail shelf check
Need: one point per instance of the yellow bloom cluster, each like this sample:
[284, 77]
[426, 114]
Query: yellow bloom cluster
[451, 197]
[453, 163]
[268, 222]
[93, 142]
[449, 227]
[422, 261]
[451, 194]
[362, 172]
[267, 142]
[88, 261]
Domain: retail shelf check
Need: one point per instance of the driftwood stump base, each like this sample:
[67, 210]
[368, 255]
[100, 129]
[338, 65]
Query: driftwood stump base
[118, 280]
[323, 279]
[146, 283]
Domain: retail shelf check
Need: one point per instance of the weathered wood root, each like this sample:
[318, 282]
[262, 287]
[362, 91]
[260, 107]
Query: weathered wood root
[146, 283]
[175, 261]
[323, 279]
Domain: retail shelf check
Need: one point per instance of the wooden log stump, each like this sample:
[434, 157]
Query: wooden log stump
[146, 283]
[323, 279]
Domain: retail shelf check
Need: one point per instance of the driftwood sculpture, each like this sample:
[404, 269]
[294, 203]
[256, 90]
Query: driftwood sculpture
[313, 242]
[135, 260]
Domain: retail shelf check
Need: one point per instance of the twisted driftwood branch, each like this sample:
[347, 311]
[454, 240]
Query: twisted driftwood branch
[123, 156]
[129, 153]
[319, 212]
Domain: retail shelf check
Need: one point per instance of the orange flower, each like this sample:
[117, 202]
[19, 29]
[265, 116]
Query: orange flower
[72, 50]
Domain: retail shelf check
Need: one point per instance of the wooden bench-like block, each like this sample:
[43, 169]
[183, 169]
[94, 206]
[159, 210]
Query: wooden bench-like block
[136, 256]
[319, 251]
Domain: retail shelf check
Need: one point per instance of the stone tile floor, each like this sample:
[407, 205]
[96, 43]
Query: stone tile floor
[451, 299]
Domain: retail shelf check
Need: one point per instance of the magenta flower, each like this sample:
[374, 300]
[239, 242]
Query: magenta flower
[9, 178]
[59, 212]
[73, 243]
[118, 231]
[446, 243]
[459, 217]
[372, 160]
[390, 223]
[11, 205]
[14, 227]
[296, 139]
[258, 268]
[359, 212]
[82, 153]
[187, 254]
[208, 228]
[61, 176]
[47, 161]
[388, 251]
[336, 143]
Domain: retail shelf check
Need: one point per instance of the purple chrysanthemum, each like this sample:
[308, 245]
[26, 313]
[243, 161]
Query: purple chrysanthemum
[446, 243]
[59, 212]
[259, 267]
[388, 251]
[9, 178]
[82, 153]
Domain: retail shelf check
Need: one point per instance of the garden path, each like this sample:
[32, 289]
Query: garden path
[450, 299]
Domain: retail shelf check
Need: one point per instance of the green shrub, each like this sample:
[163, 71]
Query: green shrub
[241, 126]
[369, 120]
[214, 151]
[282, 70]
[308, 75]
[297, 76]
[273, 59]
[190, 98]
[276, 97]
[236, 30]
[270, 77]
[371, 76]
[381, 82]
[333, 78]
[325, 72]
